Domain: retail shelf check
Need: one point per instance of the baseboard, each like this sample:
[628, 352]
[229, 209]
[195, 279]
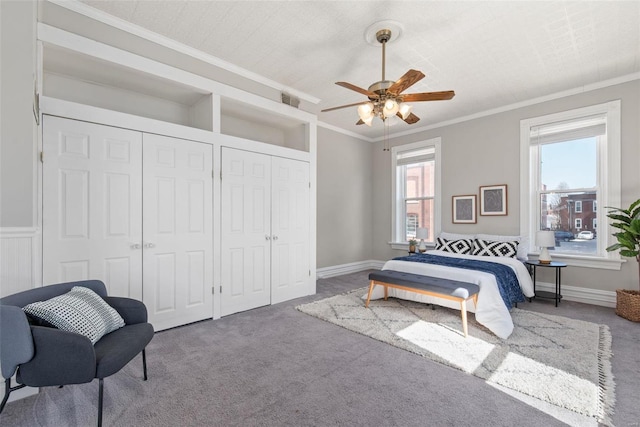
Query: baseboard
[569, 293]
[352, 267]
[583, 295]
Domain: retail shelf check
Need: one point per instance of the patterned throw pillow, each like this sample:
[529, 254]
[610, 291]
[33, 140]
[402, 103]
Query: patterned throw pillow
[489, 248]
[81, 311]
[461, 246]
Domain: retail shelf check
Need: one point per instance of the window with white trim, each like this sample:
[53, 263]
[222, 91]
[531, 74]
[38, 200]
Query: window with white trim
[566, 159]
[416, 190]
[579, 204]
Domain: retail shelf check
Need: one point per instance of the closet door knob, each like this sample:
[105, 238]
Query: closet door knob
[267, 237]
[275, 237]
[149, 245]
[135, 246]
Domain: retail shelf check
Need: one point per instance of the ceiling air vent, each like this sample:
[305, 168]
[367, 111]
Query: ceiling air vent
[290, 100]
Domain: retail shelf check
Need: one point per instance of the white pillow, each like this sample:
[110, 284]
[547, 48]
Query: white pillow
[454, 236]
[523, 242]
[81, 311]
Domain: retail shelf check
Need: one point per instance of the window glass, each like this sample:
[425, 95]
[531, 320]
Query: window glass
[415, 190]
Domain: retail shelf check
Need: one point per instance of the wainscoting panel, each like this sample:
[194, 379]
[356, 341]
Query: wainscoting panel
[19, 259]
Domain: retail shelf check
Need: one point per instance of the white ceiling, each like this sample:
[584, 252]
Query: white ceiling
[493, 54]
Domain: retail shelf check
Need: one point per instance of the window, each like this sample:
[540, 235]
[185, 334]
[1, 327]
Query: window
[579, 204]
[568, 159]
[595, 223]
[416, 189]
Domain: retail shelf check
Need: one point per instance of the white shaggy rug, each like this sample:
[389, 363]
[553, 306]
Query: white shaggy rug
[555, 359]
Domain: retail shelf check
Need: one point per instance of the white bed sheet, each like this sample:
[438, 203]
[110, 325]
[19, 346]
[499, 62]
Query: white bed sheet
[491, 310]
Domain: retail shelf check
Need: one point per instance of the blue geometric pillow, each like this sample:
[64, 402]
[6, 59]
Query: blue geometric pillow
[490, 248]
[81, 311]
[461, 246]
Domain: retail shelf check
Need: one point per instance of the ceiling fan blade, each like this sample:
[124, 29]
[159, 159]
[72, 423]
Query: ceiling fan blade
[357, 89]
[428, 96]
[409, 120]
[410, 78]
[343, 106]
[360, 122]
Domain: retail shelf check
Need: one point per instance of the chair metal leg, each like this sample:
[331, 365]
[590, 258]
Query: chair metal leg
[100, 393]
[7, 390]
[144, 363]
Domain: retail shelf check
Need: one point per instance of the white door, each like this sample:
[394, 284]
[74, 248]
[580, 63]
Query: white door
[178, 231]
[92, 205]
[290, 267]
[246, 233]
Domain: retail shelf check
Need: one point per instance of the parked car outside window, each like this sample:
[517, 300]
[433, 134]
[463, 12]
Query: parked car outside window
[585, 235]
[563, 236]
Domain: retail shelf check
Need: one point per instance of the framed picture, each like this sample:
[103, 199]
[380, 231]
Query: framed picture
[493, 200]
[464, 209]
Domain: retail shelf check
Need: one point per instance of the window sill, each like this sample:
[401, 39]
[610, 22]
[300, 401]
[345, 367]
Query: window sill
[404, 246]
[585, 261]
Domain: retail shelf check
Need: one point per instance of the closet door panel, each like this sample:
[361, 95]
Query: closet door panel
[92, 205]
[246, 235]
[178, 231]
[290, 229]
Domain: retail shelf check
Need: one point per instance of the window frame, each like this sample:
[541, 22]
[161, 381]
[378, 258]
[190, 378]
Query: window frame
[609, 182]
[575, 206]
[398, 224]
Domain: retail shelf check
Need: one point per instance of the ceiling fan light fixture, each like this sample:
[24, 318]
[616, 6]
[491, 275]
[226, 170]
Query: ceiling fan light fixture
[365, 111]
[390, 108]
[405, 110]
[368, 120]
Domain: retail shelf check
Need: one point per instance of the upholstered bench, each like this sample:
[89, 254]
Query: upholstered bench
[427, 285]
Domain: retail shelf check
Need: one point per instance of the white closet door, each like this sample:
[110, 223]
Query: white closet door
[92, 205]
[178, 231]
[246, 234]
[290, 229]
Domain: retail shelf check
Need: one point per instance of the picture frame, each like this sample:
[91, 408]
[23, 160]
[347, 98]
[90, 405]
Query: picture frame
[464, 209]
[493, 200]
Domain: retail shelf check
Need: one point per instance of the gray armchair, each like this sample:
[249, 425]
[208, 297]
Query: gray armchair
[43, 356]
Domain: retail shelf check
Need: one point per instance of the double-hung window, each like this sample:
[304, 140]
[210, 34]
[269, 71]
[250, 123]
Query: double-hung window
[416, 190]
[570, 166]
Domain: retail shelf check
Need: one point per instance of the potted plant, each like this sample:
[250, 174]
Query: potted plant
[628, 222]
[412, 245]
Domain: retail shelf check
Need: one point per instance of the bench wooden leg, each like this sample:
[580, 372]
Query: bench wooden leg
[475, 301]
[372, 285]
[386, 292]
[463, 311]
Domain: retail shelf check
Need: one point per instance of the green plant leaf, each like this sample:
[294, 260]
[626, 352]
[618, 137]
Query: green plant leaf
[622, 218]
[629, 253]
[614, 247]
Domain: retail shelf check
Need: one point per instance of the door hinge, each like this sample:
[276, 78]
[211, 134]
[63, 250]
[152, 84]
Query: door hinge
[213, 290]
[220, 288]
[220, 175]
[213, 174]
[309, 184]
[309, 272]
[42, 157]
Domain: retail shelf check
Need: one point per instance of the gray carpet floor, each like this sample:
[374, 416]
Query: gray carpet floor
[275, 366]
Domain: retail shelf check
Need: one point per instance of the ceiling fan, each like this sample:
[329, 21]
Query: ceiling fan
[386, 98]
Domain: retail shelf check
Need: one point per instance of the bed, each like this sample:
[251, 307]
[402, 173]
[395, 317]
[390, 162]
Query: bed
[492, 311]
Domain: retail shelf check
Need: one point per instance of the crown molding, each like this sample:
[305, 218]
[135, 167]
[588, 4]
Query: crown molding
[105, 18]
[345, 132]
[510, 107]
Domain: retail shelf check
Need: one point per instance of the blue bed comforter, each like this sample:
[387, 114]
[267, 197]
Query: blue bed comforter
[506, 278]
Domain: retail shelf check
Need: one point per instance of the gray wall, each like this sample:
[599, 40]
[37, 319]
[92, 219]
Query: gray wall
[344, 199]
[17, 125]
[486, 151]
